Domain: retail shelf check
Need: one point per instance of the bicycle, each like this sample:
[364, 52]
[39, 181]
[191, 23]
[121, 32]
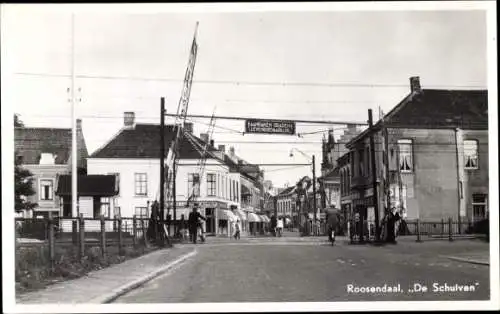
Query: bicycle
[331, 236]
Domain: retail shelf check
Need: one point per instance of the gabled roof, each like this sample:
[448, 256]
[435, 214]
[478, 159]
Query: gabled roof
[286, 191]
[437, 109]
[143, 141]
[88, 185]
[30, 143]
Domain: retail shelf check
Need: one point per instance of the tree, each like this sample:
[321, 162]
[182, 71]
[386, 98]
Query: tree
[23, 180]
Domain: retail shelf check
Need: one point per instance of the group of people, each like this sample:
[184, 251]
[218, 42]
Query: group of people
[277, 225]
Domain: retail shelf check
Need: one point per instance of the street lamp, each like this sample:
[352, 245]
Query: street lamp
[313, 160]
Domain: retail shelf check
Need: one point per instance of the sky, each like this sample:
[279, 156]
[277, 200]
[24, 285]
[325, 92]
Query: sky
[322, 65]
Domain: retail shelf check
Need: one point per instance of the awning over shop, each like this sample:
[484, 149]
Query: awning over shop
[241, 214]
[225, 214]
[253, 217]
[264, 218]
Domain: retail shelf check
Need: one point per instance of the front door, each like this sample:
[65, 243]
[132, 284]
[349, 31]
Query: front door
[210, 223]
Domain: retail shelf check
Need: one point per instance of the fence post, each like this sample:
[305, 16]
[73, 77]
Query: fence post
[450, 230]
[51, 243]
[120, 240]
[419, 239]
[74, 233]
[442, 227]
[103, 236]
[144, 238]
[134, 230]
[81, 238]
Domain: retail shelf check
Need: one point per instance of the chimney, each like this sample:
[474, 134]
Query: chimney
[212, 143]
[222, 148]
[204, 137]
[188, 127]
[78, 125]
[129, 120]
[415, 84]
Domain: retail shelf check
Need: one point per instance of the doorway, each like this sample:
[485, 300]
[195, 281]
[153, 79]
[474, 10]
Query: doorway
[210, 223]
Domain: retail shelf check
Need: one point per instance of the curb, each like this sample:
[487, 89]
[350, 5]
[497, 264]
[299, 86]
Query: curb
[139, 282]
[466, 260]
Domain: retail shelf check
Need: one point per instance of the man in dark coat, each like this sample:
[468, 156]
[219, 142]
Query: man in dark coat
[194, 222]
[273, 225]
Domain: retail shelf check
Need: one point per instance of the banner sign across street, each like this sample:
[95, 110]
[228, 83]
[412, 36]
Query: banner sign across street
[260, 126]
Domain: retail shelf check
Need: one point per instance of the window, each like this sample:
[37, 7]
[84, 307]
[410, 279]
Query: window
[231, 194]
[117, 180]
[141, 212]
[470, 154]
[219, 186]
[104, 208]
[211, 184]
[368, 160]
[194, 184]
[46, 190]
[361, 154]
[141, 184]
[479, 204]
[223, 191]
[405, 155]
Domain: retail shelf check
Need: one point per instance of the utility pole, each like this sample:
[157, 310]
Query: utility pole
[74, 151]
[314, 192]
[174, 192]
[162, 163]
[374, 176]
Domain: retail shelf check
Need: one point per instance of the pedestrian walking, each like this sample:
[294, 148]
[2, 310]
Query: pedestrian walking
[279, 226]
[194, 221]
[237, 230]
[273, 225]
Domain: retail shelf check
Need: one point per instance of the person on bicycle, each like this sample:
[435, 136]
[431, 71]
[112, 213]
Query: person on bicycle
[332, 221]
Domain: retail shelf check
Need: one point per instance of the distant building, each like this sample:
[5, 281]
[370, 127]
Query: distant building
[46, 152]
[431, 158]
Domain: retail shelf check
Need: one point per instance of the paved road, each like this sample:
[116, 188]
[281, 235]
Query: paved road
[292, 271]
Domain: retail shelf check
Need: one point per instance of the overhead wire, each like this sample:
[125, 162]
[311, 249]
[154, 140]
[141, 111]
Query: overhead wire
[238, 82]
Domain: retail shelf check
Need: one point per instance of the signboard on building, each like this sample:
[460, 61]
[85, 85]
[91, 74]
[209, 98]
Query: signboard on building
[260, 126]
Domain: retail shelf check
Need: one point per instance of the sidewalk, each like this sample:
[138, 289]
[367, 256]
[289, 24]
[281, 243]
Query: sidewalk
[104, 285]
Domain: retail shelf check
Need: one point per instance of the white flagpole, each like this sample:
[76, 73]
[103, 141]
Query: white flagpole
[74, 182]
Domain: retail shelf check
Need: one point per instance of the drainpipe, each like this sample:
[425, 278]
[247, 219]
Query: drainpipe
[459, 179]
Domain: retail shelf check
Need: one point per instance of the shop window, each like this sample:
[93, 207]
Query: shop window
[141, 184]
[46, 189]
[470, 154]
[405, 155]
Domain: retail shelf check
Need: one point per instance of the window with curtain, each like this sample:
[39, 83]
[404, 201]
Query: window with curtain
[194, 184]
[141, 212]
[105, 209]
[470, 154]
[405, 155]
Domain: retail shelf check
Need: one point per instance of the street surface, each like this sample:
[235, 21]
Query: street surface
[301, 270]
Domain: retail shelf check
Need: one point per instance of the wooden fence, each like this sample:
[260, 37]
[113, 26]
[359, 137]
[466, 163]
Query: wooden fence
[82, 232]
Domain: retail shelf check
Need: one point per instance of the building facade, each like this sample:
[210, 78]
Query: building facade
[133, 157]
[46, 153]
[431, 158]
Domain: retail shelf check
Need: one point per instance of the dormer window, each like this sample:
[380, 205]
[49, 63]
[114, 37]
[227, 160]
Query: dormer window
[47, 159]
